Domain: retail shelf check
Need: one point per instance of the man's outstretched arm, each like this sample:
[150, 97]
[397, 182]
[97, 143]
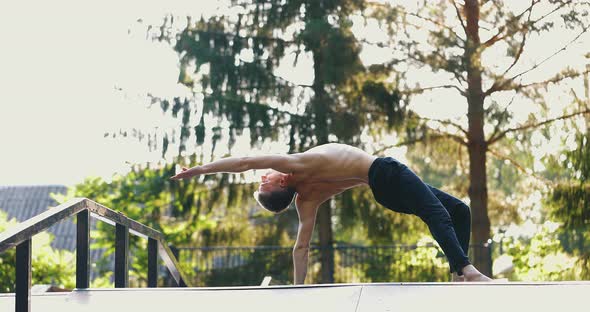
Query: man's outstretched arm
[282, 163]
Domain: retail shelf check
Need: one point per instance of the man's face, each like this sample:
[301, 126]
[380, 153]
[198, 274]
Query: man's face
[270, 181]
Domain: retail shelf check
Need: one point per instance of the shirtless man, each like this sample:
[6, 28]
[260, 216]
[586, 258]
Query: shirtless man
[321, 172]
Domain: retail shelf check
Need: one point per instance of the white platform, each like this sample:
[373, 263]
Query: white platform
[478, 297]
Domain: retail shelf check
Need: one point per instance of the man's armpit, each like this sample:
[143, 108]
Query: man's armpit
[305, 208]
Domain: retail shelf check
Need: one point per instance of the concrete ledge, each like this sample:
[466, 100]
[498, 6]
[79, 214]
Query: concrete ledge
[374, 297]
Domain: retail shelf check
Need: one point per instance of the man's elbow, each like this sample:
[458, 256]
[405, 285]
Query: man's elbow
[245, 163]
[300, 248]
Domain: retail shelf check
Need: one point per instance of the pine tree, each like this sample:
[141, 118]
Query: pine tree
[230, 64]
[570, 198]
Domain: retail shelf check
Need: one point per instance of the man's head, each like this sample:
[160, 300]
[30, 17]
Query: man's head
[274, 193]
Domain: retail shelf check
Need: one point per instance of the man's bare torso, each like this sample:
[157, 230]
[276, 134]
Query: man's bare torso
[330, 169]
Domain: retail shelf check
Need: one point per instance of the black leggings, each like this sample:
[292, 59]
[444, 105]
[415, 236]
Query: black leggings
[396, 187]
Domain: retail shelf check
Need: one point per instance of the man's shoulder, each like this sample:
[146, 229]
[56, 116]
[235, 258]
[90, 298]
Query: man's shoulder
[328, 147]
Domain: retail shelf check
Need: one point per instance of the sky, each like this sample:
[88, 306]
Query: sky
[72, 70]
[63, 65]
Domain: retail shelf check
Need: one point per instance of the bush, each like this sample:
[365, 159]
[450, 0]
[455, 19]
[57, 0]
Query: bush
[50, 266]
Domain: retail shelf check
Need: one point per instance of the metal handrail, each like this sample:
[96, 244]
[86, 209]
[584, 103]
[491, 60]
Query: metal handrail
[21, 235]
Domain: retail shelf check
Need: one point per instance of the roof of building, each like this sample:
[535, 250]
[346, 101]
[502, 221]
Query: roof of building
[25, 202]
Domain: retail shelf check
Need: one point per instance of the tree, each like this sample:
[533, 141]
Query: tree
[569, 198]
[187, 214]
[230, 64]
[50, 266]
[459, 39]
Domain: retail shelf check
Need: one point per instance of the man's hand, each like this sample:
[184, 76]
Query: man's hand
[185, 174]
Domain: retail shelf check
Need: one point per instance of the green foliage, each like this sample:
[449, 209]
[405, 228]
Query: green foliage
[478, 48]
[230, 61]
[422, 262]
[570, 204]
[49, 266]
[361, 221]
[540, 258]
[244, 266]
[238, 222]
[206, 211]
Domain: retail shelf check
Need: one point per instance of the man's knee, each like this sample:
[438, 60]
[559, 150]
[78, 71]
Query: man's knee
[462, 212]
[435, 216]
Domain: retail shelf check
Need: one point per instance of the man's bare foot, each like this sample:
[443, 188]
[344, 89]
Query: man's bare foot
[471, 274]
[457, 278]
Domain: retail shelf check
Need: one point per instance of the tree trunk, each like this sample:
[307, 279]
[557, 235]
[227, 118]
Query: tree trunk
[320, 108]
[326, 242]
[324, 217]
[477, 147]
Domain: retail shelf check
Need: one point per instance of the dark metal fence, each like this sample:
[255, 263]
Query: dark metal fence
[20, 238]
[234, 266]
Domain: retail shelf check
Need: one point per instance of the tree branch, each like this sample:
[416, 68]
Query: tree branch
[421, 90]
[518, 166]
[502, 134]
[504, 85]
[459, 16]
[409, 142]
[230, 35]
[521, 47]
[378, 44]
[497, 127]
[579, 101]
[421, 61]
[498, 36]
[446, 122]
[403, 143]
[436, 136]
[435, 22]
[556, 79]
[584, 30]
[424, 18]
[279, 78]
[457, 138]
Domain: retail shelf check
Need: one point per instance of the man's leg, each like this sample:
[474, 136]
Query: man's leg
[417, 195]
[460, 215]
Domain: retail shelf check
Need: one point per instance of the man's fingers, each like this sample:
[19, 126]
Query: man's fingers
[176, 177]
[181, 175]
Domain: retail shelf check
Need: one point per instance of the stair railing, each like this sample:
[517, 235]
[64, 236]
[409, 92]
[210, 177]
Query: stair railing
[21, 235]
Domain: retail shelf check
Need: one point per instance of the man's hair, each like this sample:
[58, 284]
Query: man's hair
[276, 201]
